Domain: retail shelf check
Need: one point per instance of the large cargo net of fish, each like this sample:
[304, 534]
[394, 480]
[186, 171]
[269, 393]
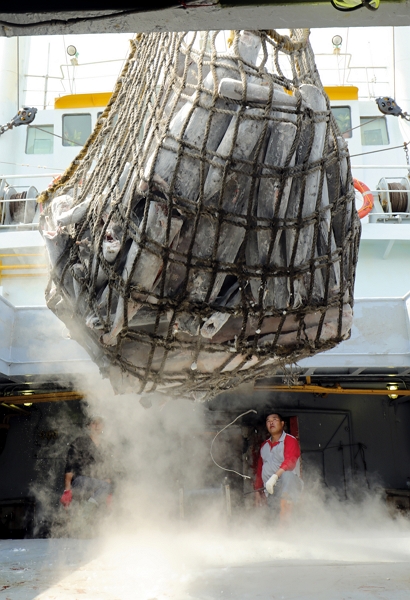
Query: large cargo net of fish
[207, 231]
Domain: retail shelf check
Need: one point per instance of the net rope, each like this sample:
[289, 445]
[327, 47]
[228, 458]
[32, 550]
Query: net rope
[207, 232]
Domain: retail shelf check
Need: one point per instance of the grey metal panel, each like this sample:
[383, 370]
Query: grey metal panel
[47, 338]
[380, 337]
[34, 341]
[6, 328]
[35, 344]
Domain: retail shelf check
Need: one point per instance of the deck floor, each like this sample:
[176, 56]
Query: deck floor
[182, 566]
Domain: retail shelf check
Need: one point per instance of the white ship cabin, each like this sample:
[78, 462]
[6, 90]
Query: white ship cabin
[59, 134]
[34, 156]
[45, 148]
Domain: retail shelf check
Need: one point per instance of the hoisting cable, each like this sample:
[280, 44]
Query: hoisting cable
[361, 125]
[404, 145]
[4, 162]
[387, 106]
[350, 5]
[65, 139]
[226, 427]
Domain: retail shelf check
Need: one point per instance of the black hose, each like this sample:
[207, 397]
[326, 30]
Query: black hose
[364, 4]
[350, 9]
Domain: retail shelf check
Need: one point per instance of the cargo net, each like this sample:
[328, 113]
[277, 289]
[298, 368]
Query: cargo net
[207, 232]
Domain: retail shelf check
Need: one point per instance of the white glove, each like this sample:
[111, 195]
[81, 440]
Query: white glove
[270, 484]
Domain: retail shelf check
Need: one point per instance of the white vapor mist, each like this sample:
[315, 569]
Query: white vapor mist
[146, 552]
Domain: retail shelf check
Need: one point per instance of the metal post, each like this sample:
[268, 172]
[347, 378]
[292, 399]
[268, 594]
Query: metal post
[18, 72]
[46, 80]
[228, 503]
[181, 504]
[343, 468]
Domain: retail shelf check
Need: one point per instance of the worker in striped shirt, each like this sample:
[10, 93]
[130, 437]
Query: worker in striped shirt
[278, 472]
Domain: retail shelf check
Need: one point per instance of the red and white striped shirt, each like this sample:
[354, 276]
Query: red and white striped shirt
[283, 454]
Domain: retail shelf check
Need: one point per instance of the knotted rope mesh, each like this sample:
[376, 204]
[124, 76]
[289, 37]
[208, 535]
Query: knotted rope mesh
[207, 231]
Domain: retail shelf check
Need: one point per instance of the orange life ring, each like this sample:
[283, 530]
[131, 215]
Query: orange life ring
[368, 200]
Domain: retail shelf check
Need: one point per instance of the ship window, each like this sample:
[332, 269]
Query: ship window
[76, 129]
[40, 140]
[343, 119]
[374, 131]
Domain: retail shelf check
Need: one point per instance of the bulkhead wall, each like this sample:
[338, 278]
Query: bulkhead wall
[365, 435]
[370, 428]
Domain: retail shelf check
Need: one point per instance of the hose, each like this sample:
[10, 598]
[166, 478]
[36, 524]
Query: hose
[226, 427]
[350, 5]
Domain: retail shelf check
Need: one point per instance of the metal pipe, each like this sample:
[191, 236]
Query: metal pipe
[8, 275]
[18, 72]
[9, 200]
[20, 227]
[28, 176]
[319, 389]
[31, 266]
[14, 407]
[46, 79]
[228, 503]
[14, 255]
[36, 398]
[379, 167]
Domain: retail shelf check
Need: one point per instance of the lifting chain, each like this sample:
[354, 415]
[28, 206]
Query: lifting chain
[406, 152]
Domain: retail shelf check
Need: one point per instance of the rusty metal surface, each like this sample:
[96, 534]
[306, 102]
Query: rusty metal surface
[201, 15]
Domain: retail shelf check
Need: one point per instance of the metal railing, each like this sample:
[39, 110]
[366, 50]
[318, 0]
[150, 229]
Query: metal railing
[8, 270]
[27, 213]
[388, 215]
[7, 222]
[19, 213]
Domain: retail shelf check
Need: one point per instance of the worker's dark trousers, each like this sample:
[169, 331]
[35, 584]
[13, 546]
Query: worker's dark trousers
[84, 488]
[289, 486]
